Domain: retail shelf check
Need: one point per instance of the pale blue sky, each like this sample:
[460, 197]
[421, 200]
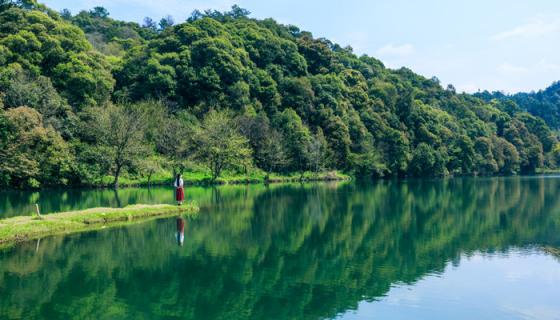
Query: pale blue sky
[479, 44]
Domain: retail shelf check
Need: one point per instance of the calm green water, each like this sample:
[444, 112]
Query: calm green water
[439, 249]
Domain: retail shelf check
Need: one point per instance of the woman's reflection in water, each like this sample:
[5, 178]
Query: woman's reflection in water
[180, 231]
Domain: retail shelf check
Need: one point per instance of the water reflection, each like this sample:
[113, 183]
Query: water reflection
[180, 234]
[284, 251]
[15, 203]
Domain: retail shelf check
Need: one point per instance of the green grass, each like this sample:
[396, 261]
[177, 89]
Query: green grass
[23, 228]
[201, 177]
[548, 171]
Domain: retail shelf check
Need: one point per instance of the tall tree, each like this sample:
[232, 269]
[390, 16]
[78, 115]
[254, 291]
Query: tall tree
[166, 22]
[219, 145]
[121, 131]
[297, 138]
[149, 23]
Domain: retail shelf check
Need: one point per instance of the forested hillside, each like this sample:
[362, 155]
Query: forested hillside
[544, 103]
[85, 97]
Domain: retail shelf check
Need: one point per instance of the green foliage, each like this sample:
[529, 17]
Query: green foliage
[297, 139]
[23, 89]
[427, 162]
[485, 162]
[45, 45]
[121, 132]
[219, 145]
[31, 155]
[544, 104]
[295, 102]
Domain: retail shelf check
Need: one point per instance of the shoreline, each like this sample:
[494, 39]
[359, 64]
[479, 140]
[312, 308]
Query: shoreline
[322, 177]
[168, 181]
[19, 229]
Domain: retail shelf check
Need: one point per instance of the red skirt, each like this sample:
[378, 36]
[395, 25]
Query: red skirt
[179, 194]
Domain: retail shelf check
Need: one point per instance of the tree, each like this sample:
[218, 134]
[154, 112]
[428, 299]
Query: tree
[485, 162]
[121, 131]
[396, 151]
[238, 12]
[31, 154]
[426, 161]
[528, 145]
[57, 50]
[149, 23]
[38, 92]
[219, 145]
[166, 22]
[269, 151]
[556, 154]
[462, 155]
[151, 165]
[272, 153]
[297, 139]
[338, 137]
[175, 139]
[317, 151]
[99, 12]
[66, 14]
[506, 156]
[368, 162]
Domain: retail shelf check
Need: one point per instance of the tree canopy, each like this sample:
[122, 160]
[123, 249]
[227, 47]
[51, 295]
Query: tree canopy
[317, 99]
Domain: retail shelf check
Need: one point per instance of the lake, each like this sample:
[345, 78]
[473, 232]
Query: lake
[463, 248]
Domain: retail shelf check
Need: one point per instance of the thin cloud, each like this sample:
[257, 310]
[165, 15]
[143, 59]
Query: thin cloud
[535, 28]
[511, 69]
[396, 50]
[544, 65]
[541, 66]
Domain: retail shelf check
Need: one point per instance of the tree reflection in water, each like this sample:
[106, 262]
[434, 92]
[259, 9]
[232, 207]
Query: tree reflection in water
[283, 252]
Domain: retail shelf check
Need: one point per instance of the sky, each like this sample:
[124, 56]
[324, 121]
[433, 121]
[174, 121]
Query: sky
[494, 45]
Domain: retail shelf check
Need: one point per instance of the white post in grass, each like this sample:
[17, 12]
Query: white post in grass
[37, 209]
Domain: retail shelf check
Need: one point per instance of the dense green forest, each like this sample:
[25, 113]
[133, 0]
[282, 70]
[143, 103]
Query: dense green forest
[85, 97]
[544, 104]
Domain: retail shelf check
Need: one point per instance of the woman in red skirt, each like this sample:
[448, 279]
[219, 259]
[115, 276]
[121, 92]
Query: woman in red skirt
[179, 191]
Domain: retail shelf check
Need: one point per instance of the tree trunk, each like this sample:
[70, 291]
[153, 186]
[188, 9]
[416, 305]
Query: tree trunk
[216, 170]
[117, 174]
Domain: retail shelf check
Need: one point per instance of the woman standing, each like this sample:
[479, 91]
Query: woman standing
[179, 191]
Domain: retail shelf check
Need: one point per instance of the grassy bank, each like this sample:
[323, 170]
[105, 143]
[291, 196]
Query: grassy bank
[205, 178]
[23, 228]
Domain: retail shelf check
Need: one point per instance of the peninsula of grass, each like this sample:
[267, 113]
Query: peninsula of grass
[24, 228]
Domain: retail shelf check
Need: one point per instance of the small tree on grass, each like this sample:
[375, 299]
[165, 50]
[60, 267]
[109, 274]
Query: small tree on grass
[272, 153]
[151, 165]
[175, 139]
[219, 145]
[121, 132]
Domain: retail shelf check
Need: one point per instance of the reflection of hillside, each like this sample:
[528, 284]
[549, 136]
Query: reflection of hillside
[553, 251]
[283, 252]
[15, 203]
